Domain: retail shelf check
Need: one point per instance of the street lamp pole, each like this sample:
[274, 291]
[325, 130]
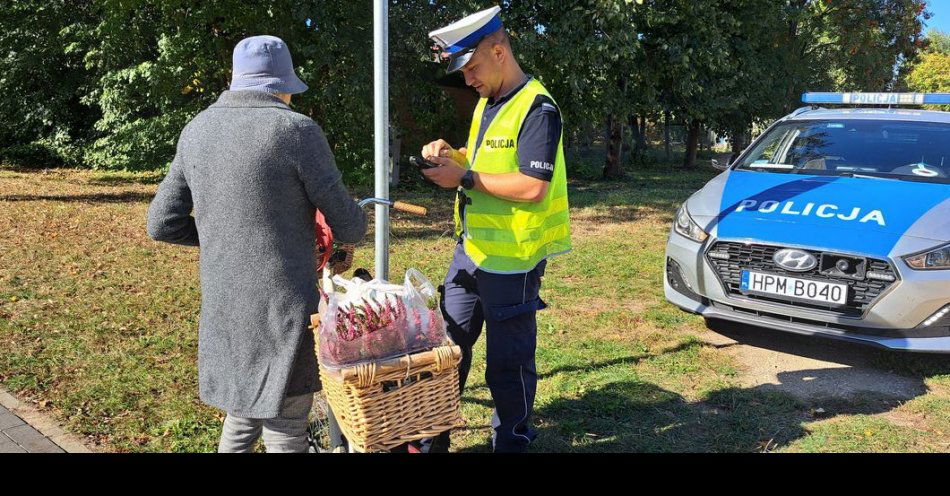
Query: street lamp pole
[381, 131]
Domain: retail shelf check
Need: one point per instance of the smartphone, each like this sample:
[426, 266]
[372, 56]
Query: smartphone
[422, 163]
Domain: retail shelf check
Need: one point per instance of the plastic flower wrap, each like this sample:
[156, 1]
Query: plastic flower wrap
[376, 320]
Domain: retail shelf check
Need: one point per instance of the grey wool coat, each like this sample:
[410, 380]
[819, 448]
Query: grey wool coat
[246, 179]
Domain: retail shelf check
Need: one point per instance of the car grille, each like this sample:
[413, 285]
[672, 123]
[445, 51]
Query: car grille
[862, 293]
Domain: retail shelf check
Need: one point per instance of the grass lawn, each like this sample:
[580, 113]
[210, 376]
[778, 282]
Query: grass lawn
[98, 326]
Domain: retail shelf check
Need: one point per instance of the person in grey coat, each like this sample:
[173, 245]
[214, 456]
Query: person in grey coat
[246, 179]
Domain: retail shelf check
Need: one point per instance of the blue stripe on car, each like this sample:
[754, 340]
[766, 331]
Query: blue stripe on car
[895, 204]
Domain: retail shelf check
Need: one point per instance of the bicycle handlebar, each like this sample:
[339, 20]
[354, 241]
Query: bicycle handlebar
[398, 205]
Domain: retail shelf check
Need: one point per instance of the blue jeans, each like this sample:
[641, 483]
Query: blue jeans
[506, 304]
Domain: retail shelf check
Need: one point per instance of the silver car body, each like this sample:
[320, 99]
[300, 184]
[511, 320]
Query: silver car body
[914, 217]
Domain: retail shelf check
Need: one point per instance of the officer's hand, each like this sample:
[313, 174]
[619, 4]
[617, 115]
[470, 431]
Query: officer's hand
[438, 148]
[449, 175]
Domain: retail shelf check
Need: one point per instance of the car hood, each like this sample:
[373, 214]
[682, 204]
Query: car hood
[848, 214]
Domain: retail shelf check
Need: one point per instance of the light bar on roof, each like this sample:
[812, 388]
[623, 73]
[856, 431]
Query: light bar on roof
[878, 98]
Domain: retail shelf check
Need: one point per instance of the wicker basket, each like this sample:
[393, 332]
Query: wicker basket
[383, 404]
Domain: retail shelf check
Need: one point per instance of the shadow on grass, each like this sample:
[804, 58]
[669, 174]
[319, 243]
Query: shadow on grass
[591, 367]
[631, 416]
[909, 366]
[123, 197]
[628, 360]
[115, 180]
[635, 416]
[98, 178]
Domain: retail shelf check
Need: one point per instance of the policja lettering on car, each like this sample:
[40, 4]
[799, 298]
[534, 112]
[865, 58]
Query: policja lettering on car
[825, 211]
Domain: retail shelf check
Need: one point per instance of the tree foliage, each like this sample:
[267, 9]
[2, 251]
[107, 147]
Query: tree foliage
[931, 74]
[121, 77]
[938, 41]
[43, 79]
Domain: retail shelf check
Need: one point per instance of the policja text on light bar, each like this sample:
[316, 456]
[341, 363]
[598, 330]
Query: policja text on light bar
[878, 98]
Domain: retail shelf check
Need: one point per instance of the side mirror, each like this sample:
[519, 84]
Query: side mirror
[716, 165]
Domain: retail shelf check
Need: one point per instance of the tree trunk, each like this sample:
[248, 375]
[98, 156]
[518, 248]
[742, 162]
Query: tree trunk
[642, 134]
[637, 141]
[395, 151]
[692, 140]
[632, 124]
[737, 145]
[614, 148]
[666, 135]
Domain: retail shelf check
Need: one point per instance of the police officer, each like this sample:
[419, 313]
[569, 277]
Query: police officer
[511, 215]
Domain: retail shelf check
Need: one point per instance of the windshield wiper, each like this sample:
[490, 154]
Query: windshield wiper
[865, 176]
[780, 168]
[899, 177]
[834, 173]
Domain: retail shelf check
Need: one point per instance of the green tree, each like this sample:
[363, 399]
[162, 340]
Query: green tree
[713, 62]
[931, 75]
[43, 79]
[938, 41]
[745, 88]
[588, 54]
[123, 76]
[847, 45]
[158, 64]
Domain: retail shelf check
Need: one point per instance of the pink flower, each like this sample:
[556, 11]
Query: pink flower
[387, 312]
[435, 331]
[416, 319]
[372, 318]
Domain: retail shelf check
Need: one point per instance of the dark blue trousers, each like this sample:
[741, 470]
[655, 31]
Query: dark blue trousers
[506, 304]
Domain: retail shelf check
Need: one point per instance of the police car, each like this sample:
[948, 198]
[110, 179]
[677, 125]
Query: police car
[833, 222]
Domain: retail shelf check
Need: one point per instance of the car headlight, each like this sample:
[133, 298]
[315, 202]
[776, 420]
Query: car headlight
[938, 258]
[684, 225]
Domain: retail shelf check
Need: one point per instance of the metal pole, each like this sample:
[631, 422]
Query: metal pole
[381, 131]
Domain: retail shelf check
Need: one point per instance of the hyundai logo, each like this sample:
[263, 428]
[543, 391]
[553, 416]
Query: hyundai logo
[795, 260]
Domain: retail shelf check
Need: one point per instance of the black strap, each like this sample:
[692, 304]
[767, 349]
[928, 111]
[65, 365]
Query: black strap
[463, 200]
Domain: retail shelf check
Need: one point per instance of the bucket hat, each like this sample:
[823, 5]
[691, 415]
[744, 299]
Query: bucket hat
[262, 63]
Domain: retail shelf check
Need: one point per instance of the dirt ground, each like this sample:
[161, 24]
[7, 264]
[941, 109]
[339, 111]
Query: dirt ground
[814, 369]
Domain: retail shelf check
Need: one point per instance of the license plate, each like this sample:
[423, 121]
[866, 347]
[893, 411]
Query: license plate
[793, 287]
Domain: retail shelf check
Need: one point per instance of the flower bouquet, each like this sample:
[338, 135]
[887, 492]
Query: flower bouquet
[376, 320]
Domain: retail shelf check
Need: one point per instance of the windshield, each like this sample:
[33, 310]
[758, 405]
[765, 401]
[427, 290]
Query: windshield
[918, 151]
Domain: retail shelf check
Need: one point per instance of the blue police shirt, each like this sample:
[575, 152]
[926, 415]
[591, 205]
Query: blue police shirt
[539, 136]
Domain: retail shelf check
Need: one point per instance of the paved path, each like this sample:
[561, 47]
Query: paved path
[25, 430]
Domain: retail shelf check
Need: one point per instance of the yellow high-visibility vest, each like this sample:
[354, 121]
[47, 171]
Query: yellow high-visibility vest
[502, 236]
